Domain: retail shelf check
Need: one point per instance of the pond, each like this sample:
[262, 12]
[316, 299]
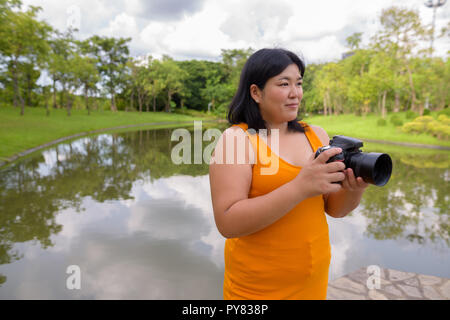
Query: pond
[138, 226]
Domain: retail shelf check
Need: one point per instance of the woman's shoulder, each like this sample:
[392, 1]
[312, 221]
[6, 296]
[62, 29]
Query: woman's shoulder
[321, 134]
[238, 129]
[234, 139]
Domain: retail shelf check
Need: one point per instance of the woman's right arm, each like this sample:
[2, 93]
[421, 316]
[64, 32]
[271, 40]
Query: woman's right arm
[236, 215]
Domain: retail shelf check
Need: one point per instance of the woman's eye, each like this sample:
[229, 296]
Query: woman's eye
[285, 84]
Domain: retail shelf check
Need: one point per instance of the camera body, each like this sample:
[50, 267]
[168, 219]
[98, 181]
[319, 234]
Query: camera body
[348, 145]
[374, 168]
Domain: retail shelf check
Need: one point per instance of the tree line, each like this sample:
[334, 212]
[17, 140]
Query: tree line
[392, 73]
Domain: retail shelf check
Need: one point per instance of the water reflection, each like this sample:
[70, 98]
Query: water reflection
[141, 227]
[415, 205]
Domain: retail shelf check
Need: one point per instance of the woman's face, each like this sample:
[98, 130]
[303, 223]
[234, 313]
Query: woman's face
[280, 99]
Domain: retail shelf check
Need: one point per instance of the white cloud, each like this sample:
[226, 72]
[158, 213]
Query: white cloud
[200, 30]
[123, 25]
[198, 35]
[193, 193]
[324, 49]
[344, 233]
[152, 38]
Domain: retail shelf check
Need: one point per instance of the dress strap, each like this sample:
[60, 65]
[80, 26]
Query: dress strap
[252, 137]
[313, 139]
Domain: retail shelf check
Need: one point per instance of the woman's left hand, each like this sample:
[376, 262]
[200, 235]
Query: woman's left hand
[351, 183]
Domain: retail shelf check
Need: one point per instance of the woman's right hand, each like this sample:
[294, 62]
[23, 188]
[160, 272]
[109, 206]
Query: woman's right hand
[317, 177]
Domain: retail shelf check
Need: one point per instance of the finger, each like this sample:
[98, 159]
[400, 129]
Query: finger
[351, 179]
[336, 177]
[358, 182]
[327, 154]
[345, 184]
[361, 183]
[335, 166]
[334, 187]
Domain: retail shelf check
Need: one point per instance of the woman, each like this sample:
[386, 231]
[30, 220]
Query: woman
[277, 243]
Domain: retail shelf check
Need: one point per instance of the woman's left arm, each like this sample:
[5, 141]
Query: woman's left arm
[344, 201]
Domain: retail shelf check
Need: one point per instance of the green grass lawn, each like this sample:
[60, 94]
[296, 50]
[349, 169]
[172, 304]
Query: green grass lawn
[367, 128]
[19, 133]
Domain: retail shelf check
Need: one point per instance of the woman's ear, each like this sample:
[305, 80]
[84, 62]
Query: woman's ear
[256, 93]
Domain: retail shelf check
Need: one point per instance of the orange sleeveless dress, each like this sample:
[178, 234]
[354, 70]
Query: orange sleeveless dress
[290, 258]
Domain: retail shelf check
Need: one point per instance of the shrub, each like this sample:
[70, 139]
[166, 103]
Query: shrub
[411, 127]
[426, 124]
[445, 112]
[439, 130]
[426, 112]
[396, 121]
[221, 110]
[424, 119]
[381, 123]
[410, 114]
[444, 119]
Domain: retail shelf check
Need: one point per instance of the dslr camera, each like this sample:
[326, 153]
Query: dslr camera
[374, 168]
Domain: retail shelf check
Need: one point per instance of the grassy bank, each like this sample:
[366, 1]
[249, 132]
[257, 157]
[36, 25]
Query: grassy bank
[367, 128]
[19, 133]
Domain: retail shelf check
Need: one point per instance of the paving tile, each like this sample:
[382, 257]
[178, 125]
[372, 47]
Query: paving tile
[337, 294]
[395, 275]
[431, 293]
[376, 295]
[393, 290]
[429, 280]
[412, 282]
[394, 285]
[445, 289]
[410, 291]
[345, 283]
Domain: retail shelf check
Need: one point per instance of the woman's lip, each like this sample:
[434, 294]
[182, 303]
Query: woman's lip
[293, 105]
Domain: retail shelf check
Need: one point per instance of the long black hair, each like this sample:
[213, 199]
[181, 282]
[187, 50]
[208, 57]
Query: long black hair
[260, 66]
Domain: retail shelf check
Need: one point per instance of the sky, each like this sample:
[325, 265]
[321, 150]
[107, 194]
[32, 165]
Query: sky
[199, 29]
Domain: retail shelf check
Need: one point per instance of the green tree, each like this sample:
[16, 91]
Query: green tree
[130, 83]
[138, 80]
[354, 67]
[112, 56]
[60, 64]
[440, 92]
[200, 75]
[332, 88]
[234, 60]
[24, 41]
[354, 41]
[382, 78]
[217, 92]
[311, 101]
[6, 7]
[86, 76]
[362, 91]
[399, 37]
[170, 78]
[153, 85]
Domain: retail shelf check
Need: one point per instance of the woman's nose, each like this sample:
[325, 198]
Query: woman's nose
[295, 92]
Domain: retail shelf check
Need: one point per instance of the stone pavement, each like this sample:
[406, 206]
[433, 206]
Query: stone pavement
[390, 285]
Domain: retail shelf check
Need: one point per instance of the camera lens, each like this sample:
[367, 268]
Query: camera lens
[375, 168]
[382, 170]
